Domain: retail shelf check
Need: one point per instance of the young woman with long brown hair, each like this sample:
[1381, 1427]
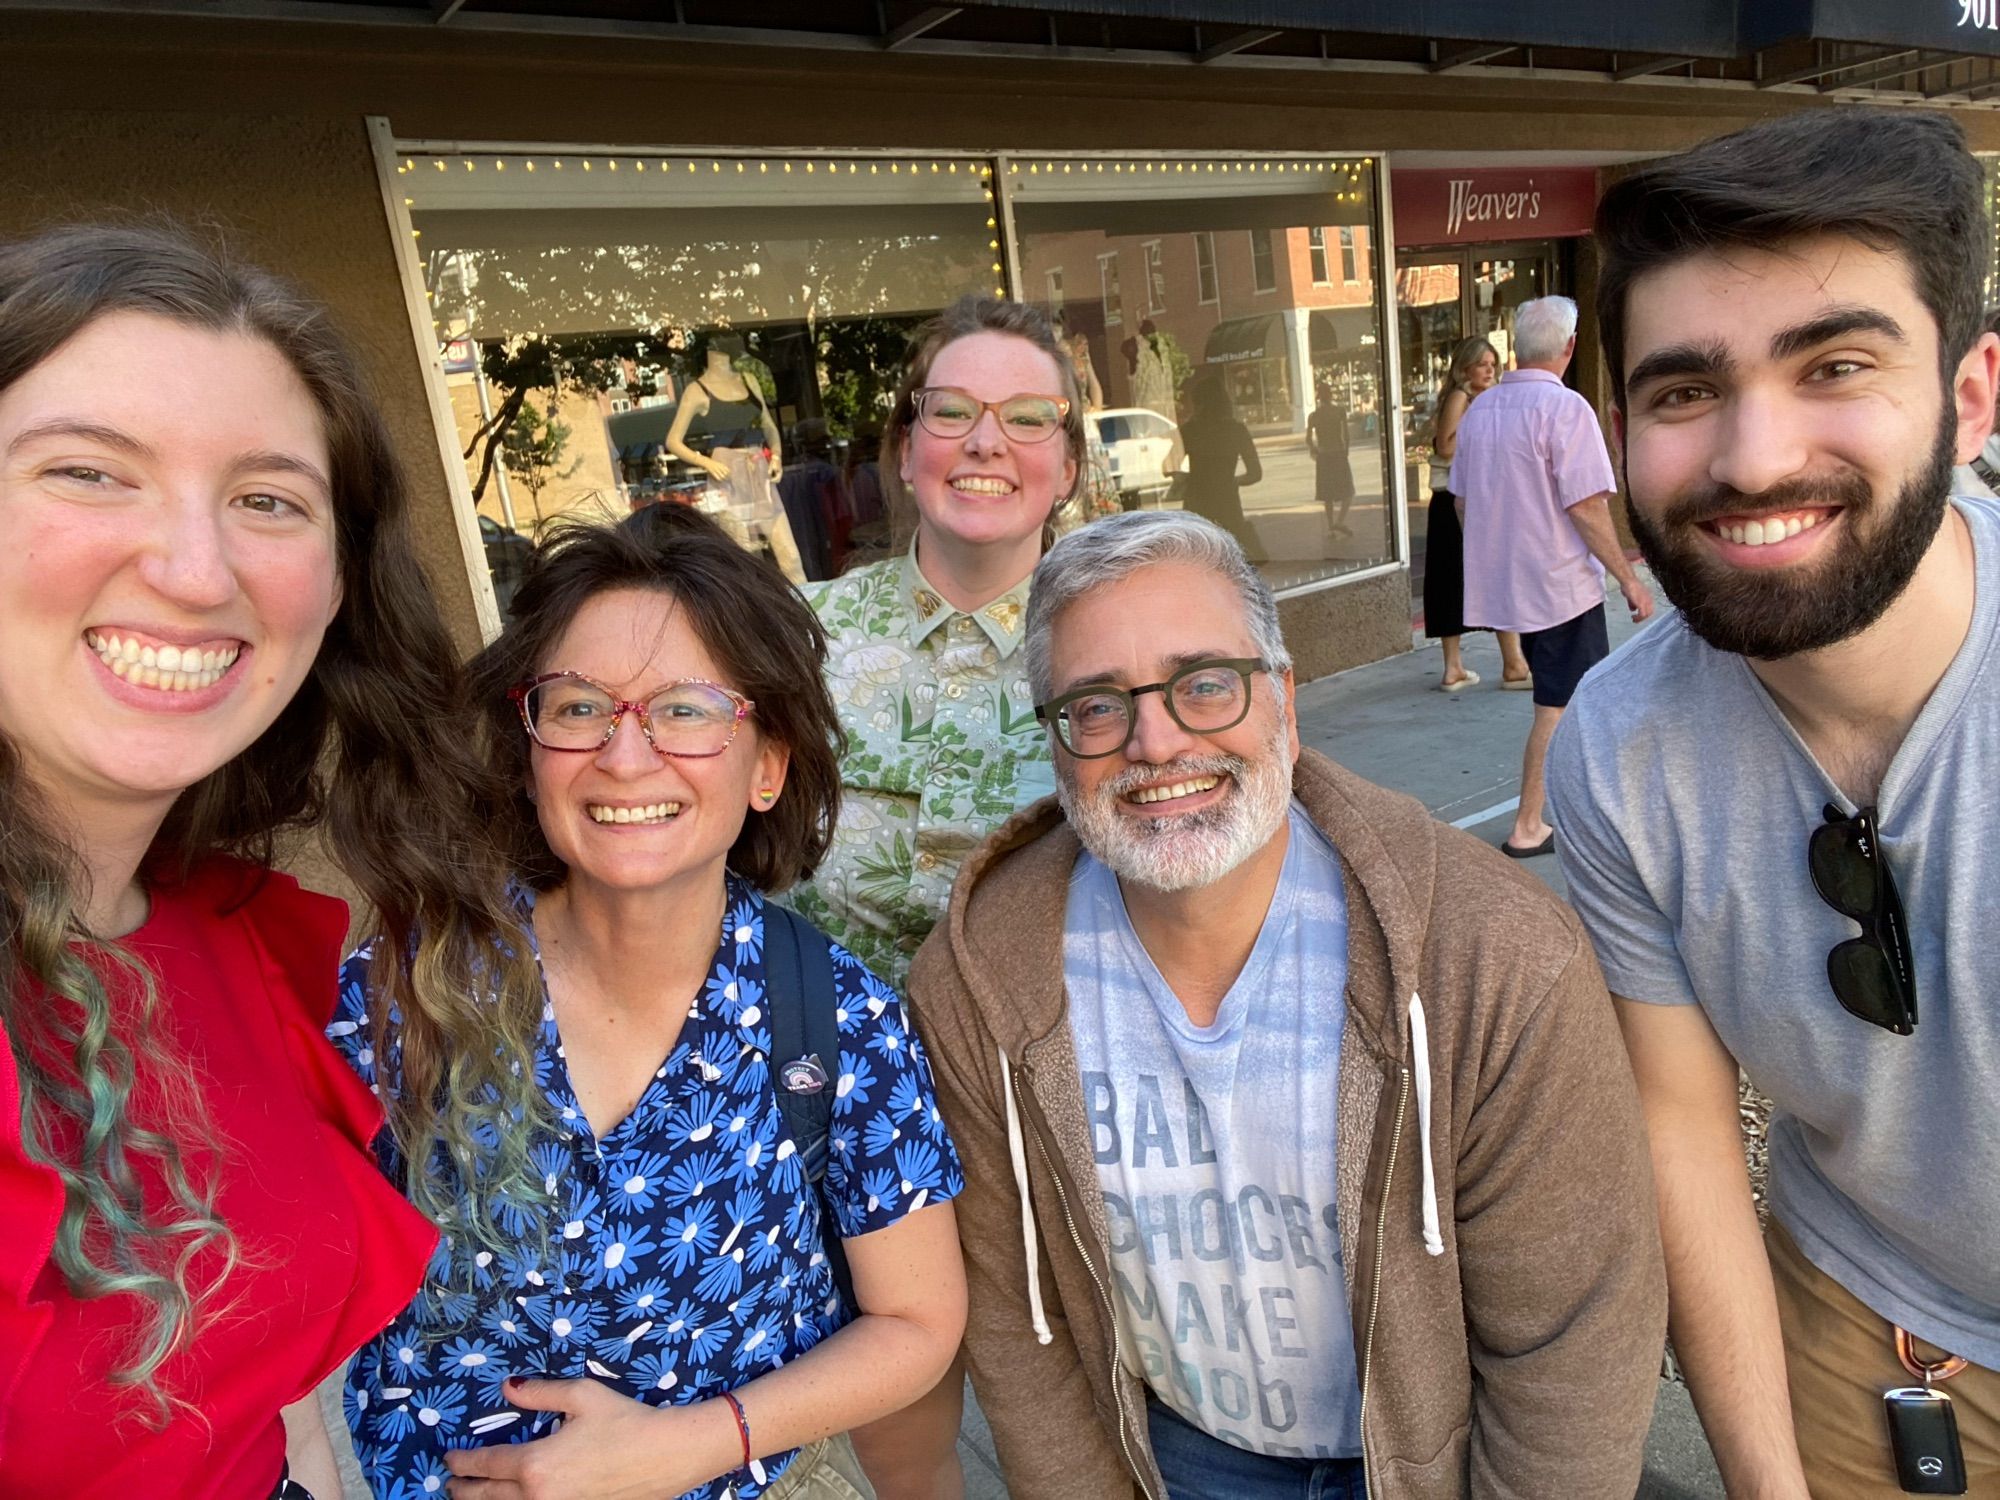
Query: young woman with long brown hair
[214, 631]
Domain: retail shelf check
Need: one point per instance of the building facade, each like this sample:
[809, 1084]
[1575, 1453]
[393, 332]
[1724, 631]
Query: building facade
[536, 222]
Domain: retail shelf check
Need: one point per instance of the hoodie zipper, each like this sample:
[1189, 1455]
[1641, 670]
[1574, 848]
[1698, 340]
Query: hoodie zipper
[1375, 1292]
[1110, 1310]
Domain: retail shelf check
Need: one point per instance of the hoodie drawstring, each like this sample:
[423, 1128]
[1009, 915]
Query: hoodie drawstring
[1420, 1045]
[1018, 1155]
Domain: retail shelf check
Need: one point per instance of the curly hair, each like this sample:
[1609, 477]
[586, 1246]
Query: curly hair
[762, 634]
[354, 755]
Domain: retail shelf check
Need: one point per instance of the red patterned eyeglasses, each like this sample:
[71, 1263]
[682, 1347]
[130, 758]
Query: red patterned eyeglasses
[692, 717]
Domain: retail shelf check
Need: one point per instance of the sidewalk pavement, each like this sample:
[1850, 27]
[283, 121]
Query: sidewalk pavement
[1457, 753]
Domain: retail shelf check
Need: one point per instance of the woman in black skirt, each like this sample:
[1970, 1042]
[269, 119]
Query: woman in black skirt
[1475, 366]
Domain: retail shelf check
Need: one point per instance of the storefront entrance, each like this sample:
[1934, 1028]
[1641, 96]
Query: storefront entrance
[1454, 293]
[1456, 278]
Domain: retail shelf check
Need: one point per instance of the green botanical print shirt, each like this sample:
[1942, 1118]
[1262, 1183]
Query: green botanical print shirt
[942, 748]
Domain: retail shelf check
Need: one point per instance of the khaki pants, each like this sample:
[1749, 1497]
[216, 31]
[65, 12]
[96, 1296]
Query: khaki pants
[826, 1470]
[1840, 1358]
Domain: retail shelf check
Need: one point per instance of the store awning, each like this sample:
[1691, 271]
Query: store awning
[1947, 51]
[1958, 28]
[1339, 332]
[1236, 341]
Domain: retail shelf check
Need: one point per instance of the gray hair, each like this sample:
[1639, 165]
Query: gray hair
[1118, 546]
[1542, 327]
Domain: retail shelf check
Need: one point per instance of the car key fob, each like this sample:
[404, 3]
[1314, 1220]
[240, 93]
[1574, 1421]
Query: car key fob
[1923, 1435]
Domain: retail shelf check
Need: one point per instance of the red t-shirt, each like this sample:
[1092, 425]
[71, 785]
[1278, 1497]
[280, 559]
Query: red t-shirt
[329, 1251]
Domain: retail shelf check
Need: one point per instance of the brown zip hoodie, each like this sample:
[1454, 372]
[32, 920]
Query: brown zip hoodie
[1503, 1258]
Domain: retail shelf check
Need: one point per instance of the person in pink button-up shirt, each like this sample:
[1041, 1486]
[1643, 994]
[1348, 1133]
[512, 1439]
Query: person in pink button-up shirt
[1534, 483]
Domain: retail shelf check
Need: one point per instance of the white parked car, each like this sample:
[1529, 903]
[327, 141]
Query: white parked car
[1140, 446]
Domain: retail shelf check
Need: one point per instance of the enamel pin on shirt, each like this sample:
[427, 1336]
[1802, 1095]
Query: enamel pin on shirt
[803, 1075]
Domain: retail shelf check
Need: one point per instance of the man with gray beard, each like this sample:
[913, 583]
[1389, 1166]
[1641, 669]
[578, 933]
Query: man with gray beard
[1301, 1154]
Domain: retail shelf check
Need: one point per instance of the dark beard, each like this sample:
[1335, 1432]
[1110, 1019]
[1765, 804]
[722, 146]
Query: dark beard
[1782, 612]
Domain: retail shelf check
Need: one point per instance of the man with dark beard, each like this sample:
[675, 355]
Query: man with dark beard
[1779, 813]
[1301, 1152]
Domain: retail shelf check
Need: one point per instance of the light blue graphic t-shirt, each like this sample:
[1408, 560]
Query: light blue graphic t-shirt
[1215, 1153]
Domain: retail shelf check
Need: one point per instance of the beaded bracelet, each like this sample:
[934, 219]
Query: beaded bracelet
[742, 1425]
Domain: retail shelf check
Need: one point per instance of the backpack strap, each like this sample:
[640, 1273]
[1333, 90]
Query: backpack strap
[805, 1058]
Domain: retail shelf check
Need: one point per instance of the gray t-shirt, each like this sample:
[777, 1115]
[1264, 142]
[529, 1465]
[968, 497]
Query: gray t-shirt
[1215, 1152]
[1683, 802]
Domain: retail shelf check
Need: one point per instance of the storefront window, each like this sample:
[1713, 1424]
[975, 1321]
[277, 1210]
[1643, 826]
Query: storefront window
[1254, 396]
[1263, 264]
[1107, 277]
[720, 332]
[727, 332]
[1443, 296]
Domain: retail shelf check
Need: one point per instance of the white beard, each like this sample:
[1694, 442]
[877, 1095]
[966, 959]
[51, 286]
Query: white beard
[1184, 851]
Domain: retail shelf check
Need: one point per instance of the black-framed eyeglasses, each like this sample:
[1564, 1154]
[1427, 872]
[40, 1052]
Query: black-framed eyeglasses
[1873, 976]
[944, 411]
[1203, 697]
[693, 717]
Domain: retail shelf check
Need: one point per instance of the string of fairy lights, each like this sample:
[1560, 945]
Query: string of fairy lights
[1352, 170]
[1347, 177]
[1349, 174]
[1992, 166]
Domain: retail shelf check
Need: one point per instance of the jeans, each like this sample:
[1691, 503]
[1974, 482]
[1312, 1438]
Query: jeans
[1199, 1467]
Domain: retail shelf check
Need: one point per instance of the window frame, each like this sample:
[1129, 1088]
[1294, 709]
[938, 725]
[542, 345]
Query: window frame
[398, 154]
[1262, 236]
[1206, 270]
[1156, 277]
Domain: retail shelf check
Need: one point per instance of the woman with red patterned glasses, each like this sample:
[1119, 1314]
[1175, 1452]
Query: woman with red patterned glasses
[731, 1108]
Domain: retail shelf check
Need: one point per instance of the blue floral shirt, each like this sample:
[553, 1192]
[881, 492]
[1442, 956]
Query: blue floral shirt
[687, 1255]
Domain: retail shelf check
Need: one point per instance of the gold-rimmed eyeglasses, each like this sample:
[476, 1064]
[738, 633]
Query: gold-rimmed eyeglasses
[945, 411]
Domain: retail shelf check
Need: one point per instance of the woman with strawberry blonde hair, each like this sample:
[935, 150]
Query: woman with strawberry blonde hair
[985, 446]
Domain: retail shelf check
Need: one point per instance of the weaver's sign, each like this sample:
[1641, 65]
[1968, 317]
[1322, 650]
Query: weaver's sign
[1450, 207]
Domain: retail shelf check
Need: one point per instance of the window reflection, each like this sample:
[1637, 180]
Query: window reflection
[721, 333]
[727, 333]
[1246, 385]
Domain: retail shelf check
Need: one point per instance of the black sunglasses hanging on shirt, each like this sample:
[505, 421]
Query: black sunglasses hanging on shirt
[1873, 976]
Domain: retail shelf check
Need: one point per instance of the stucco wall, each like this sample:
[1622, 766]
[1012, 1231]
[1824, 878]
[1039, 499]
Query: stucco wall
[298, 195]
[1336, 628]
[476, 84]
